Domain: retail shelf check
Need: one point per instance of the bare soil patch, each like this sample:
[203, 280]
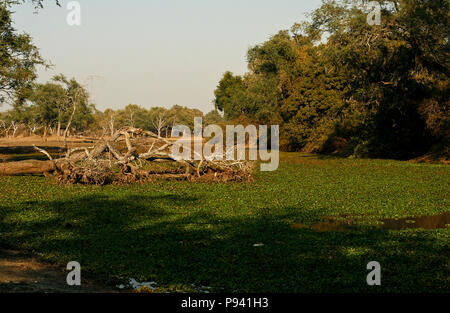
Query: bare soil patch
[21, 271]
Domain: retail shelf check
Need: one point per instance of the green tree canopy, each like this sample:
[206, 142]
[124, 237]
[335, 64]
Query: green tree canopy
[18, 58]
[335, 81]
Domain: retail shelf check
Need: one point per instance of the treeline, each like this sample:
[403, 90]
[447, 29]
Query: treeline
[61, 106]
[335, 84]
[156, 119]
[54, 109]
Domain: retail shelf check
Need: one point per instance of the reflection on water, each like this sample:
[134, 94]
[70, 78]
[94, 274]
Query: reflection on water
[329, 225]
[425, 222]
[21, 153]
[29, 149]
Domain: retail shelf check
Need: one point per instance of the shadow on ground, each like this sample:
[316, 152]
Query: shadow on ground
[149, 239]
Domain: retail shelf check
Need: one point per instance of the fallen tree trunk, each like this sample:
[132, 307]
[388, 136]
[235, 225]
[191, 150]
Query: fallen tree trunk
[112, 162]
[28, 167]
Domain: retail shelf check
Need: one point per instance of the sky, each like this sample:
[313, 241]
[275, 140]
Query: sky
[155, 52]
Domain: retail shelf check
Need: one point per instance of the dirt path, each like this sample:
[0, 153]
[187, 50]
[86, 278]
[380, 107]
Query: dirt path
[22, 272]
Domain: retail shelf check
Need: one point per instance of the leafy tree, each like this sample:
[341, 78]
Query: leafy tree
[338, 83]
[393, 68]
[61, 103]
[49, 105]
[230, 95]
[18, 58]
[79, 116]
[213, 117]
[182, 115]
[159, 119]
[133, 115]
[18, 55]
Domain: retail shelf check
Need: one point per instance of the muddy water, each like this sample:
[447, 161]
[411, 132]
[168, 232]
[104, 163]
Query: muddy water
[11, 154]
[424, 222]
[28, 149]
[329, 225]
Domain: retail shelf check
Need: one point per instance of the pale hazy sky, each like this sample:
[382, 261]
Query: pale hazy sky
[155, 52]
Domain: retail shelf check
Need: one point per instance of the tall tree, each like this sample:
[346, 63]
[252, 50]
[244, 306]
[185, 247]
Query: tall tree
[18, 58]
[379, 90]
[49, 101]
[230, 95]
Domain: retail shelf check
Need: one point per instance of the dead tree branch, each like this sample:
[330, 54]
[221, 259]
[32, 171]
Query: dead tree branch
[126, 151]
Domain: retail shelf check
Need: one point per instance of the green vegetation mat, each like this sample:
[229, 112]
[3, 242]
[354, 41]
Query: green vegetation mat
[245, 237]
